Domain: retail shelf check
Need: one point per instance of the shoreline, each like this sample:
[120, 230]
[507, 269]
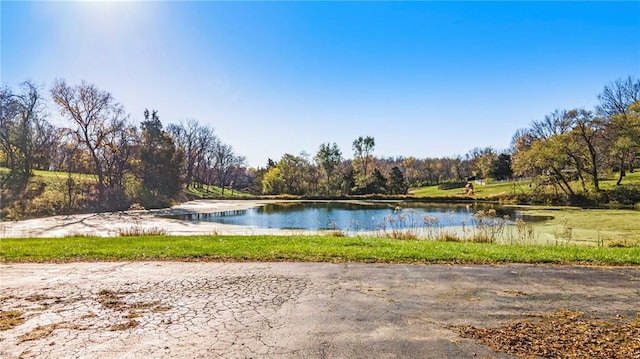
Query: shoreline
[110, 224]
[160, 222]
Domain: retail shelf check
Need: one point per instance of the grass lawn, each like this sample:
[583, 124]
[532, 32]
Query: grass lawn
[215, 191]
[510, 187]
[480, 191]
[64, 175]
[630, 178]
[301, 248]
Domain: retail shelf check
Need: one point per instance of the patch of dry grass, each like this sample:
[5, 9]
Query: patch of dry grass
[43, 331]
[139, 231]
[10, 319]
[109, 299]
[126, 325]
[113, 300]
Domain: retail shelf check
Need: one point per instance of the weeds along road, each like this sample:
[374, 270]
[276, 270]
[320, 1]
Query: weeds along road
[288, 310]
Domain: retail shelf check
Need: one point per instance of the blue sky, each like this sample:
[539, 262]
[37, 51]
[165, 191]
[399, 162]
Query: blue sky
[425, 79]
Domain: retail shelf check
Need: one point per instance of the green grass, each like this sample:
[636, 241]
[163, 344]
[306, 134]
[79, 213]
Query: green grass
[480, 191]
[45, 194]
[587, 226]
[301, 248]
[490, 190]
[63, 175]
[52, 178]
[214, 191]
[629, 179]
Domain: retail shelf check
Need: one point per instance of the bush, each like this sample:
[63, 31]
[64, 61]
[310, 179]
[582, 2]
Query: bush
[624, 195]
[538, 197]
[451, 185]
[449, 237]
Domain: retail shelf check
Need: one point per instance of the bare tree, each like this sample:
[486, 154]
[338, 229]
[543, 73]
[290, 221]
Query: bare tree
[194, 140]
[226, 162]
[24, 131]
[555, 123]
[617, 96]
[616, 102]
[100, 126]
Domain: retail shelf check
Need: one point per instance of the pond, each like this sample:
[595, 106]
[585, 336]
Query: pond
[351, 216]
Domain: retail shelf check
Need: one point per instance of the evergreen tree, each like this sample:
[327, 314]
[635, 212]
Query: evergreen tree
[397, 182]
[501, 167]
[160, 162]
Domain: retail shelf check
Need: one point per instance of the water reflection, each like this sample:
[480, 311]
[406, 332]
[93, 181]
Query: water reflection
[352, 216]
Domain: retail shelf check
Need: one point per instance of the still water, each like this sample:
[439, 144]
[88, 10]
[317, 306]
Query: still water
[348, 216]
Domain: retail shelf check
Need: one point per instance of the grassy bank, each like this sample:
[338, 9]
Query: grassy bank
[493, 190]
[301, 248]
[214, 192]
[486, 191]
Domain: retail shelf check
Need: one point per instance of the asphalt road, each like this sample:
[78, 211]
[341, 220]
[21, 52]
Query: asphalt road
[288, 310]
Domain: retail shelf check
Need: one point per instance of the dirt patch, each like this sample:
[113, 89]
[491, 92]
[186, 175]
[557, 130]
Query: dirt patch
[564, 334]
[136, 222]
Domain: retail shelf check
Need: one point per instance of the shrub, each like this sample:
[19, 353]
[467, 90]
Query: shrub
[624, 195]
[525, 231]
[400, 234]
[451, 185]
[620, 244]
[449, 237]
[488, 226]
[137, 231]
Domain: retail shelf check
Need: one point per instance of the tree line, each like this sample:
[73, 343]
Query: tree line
[328, 173]
[567, 145]
[583, 145]
[151, 164]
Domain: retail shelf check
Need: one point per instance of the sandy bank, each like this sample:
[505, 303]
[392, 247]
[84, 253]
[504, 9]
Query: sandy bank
[110, 224]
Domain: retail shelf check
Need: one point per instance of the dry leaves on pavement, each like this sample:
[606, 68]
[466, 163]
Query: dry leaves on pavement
[564, 334]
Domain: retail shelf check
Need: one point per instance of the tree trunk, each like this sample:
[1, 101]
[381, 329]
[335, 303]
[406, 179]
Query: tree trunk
[564, 185]
[584, 186]
[621, 173]
[594, 171]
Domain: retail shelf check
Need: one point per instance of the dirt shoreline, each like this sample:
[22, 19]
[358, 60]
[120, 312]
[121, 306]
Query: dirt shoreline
[111, 223]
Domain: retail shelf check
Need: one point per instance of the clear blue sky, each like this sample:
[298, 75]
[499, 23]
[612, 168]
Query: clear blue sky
[425, 79]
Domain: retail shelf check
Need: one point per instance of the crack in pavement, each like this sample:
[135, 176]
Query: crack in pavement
[287, 310]
[229, 312]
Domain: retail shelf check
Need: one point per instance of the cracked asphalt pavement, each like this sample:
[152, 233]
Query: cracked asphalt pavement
[288, 310]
